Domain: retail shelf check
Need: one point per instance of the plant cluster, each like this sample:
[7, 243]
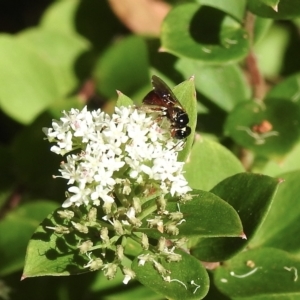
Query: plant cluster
[119, 199]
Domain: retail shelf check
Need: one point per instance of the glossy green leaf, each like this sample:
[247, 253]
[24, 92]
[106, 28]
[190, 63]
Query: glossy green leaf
[16, 229]
[185, 34]
[289, 163]
[261, 28]
[287, 89]
[209, 163]
[128, 75]
[234, 8]
[246, 125]
[186, 94]
[60, 16]
[123, 100]
[224, 85]
[91, 19]
[281, 226]
[139, 292]
[28, 84]
[275, 9]
[271, 51]
[265, 273]
[214, 293]
[250, 195]
[55, 254]
[271, 3]
[60, 50]
[188, 279]
[207, 215]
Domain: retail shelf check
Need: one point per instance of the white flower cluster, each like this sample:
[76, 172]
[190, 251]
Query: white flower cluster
[130, 147]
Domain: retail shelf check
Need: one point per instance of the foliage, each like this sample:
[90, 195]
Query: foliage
[240, 60]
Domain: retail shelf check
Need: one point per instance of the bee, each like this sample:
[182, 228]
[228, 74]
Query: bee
[163, 99]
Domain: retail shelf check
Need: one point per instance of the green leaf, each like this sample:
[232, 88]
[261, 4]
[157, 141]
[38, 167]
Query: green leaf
[60, 16]
[50, 253]
[289, 163]
[214, 293]
[16, 229]
[288, 89]
[281, 118]
[271, 3]
[265, 273]
[91, 19]
[60, 50]
[188, 278]
[261, 28]
[251, 196]
[186, 94]
[209, 163]
[184, 34]
[225, 85]
[275, 9]
[121, 292]
[207, 215]
[123, 100]
[234, 8]
[124, 66]
[271, 51]
[282, 223]
[27, 87]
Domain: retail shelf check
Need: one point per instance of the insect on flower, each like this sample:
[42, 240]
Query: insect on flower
[161, 98]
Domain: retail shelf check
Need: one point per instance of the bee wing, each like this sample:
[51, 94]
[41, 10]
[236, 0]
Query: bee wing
[164, 92]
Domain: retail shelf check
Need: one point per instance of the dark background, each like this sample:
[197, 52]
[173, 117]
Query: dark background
[16, 15]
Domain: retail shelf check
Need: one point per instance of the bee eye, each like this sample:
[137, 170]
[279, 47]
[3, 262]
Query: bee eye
[180, 117]
[183, 119]
[182, 133]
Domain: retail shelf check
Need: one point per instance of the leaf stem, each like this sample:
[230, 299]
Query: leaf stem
[257, 81]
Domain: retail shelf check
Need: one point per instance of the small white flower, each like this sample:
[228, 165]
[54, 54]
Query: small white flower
[143, 258]
[130, 213]
[105, 176]
[131, 146]
[102, 193]
[126, 279]
[80, 195]
[129, 274]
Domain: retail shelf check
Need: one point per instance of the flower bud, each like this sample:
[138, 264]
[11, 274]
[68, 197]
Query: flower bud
[161, 244]
[85, 246]
[129, 274]
[104, 234]
[110, 270]
[120, 252]
[175, 216]
[92, 215]
[118, 227]
[145, 241]
[171, 229]
[66, 214]
[81, 228]
[96, 264]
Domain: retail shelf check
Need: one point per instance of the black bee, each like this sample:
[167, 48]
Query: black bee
[163, 99]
